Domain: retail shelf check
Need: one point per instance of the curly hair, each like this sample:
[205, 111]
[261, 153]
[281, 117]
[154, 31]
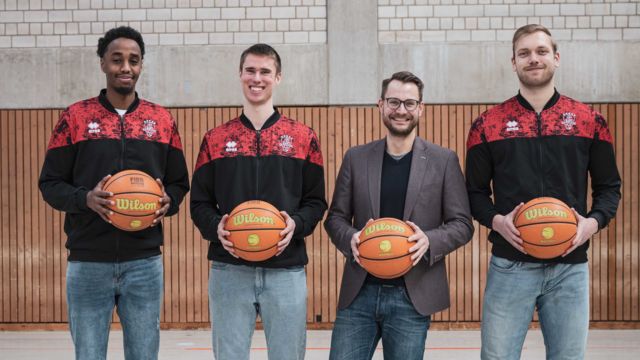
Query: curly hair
[120, 32]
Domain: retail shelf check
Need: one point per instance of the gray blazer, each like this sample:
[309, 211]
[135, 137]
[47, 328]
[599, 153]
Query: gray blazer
[436, 202]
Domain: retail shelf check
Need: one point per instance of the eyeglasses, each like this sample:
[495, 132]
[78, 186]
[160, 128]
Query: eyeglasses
[409, 104]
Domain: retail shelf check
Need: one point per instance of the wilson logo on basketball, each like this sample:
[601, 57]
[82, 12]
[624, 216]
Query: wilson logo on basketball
[544, 212]
[382, 227]
[135, 180]
[135, 205]
[251, 218]
[253, 240]
[385, 246]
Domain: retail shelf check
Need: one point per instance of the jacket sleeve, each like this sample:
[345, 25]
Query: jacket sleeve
[457, 226]
[605, 178]
[176, 177]
[313, 203]
[56, 176]
[339, 222]
[204, 206]
[479, 172]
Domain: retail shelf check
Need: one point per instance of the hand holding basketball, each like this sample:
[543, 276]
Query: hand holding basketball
[587, 227]
[355, 240]
[96, 200]
[422, 243]
[222, 236]
[165, 202]
[287, 233]
[503, 224]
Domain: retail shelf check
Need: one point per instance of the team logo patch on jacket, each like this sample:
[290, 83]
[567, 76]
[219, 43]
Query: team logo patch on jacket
[149, 128]
[286, 143]
[568, 120]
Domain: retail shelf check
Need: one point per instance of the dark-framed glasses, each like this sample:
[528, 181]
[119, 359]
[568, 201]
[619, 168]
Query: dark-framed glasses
[409, 104]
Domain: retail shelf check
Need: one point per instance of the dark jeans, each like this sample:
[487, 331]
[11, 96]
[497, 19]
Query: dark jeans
[379, 311]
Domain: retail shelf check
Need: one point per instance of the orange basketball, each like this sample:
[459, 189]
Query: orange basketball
[136, 196]
[384, 249]
[255, 228]
[547, 226]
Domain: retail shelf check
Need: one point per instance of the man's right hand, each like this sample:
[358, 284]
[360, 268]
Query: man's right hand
[96, 200]
[222, 236]
[503, 224]
[355, 240]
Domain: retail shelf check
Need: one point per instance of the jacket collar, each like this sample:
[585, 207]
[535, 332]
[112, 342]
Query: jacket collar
[270, 121]
[554, 99]
[107, 105]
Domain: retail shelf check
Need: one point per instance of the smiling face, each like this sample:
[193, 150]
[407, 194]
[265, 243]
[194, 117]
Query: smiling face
[258, 77]
[534, 60]
[122, 64]
[400, 122]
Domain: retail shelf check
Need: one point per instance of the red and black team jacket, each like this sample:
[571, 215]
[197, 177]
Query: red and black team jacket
[521, 155]
[280, 163]
[91, 141]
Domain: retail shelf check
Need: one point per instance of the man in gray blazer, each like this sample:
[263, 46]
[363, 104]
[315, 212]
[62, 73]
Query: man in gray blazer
[404, 177]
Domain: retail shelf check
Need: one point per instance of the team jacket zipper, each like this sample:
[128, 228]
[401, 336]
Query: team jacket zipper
[257, 164]
[123, 145]
[539, 123]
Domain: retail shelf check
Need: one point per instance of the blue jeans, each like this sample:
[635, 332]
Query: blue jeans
[379, 311]
[237, 294]
[133, 287]
[514, 289]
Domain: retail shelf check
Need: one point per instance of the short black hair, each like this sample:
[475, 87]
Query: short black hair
[403, 77]
[262, 50]
[120, 32]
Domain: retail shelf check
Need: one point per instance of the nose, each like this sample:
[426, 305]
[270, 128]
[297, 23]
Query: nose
[401, 109]
[126, 67]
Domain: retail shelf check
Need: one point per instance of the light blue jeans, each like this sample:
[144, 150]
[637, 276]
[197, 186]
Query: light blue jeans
[133, 287]
[514, 289]
[379, 311]
[237, 294]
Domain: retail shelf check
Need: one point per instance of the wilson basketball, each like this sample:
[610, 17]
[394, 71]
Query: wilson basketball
[547, 226]
[255, 228]
[384, 249]
[136, 196]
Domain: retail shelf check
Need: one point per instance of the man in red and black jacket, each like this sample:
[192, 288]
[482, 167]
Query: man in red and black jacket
[538, 143]
[262, 155]
[94, 139]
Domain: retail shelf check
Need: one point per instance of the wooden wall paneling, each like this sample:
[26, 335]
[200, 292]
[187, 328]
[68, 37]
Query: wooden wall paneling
[625, 207]
[619, 246]
[634, 218]
[33, 257]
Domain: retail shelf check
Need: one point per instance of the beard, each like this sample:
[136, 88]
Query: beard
[123, 90]
[404, 132]
[543, 80]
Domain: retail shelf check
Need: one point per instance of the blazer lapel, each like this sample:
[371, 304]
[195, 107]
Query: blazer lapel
[374, 176]
[419, 163]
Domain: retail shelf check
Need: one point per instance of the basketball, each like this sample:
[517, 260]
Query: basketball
[547, 226]
[136, 197]
[255, 228]
[384, 249]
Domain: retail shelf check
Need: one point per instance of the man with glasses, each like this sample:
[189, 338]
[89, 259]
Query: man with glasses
[405, 177]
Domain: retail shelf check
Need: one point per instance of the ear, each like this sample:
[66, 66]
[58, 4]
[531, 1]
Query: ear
[278, 78]
[102, 65]
[513, 63]
[420, 109]
[556, 58]
[380, 105]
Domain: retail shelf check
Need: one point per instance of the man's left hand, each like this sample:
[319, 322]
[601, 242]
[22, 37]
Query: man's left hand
[164, 201]
[586, 228]
[421, 246]
[287, 232]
